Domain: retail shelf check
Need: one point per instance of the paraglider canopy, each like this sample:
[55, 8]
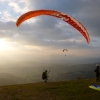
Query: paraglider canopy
[65, 17]
[95, 87]
[65, 50]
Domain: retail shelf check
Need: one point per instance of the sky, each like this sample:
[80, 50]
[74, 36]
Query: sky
[43, 38]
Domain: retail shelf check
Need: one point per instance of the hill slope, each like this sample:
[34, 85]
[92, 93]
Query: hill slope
[65, 90]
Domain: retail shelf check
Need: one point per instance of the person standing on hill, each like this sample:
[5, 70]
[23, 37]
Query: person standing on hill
[45, 76]
[97, 72]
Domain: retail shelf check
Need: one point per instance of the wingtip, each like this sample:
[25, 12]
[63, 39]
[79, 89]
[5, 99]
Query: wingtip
[17, 24]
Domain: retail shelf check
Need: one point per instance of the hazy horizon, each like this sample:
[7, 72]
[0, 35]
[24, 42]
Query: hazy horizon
[31, 72]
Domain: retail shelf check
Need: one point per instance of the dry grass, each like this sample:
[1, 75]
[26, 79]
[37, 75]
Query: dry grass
[65, 90]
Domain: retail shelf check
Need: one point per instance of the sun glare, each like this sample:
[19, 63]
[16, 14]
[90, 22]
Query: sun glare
[3, 45]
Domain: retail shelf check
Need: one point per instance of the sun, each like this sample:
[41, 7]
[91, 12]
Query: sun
[3, 45]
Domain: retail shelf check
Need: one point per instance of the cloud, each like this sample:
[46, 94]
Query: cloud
[51, 33]
[15, 6]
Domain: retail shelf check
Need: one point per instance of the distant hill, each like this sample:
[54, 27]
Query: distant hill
[30, 72]
[8, 79]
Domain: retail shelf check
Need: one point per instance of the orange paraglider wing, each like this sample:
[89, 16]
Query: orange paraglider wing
[65, 50]
[65, 17]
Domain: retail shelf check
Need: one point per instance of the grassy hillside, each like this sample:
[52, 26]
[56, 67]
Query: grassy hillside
[64, 90]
